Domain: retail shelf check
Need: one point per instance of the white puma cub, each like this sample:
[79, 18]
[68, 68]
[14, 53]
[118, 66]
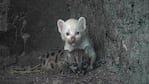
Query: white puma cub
[73, 33]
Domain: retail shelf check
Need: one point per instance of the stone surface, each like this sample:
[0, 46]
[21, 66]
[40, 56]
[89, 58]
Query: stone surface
[119, 29]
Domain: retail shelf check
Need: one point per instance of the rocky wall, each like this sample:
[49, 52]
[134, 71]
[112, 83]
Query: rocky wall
[121, 34]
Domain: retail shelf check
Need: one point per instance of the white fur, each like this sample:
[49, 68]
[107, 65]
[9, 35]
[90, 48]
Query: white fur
[82, 40]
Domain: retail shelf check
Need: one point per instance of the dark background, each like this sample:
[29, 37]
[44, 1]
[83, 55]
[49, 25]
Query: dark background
[119, 30]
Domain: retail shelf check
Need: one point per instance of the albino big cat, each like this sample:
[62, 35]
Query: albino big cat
[73, 32]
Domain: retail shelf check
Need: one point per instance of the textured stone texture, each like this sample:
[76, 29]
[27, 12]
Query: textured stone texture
[119, 29]
[129, 21]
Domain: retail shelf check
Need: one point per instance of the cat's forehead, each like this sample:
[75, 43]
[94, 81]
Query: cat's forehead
[72, 23]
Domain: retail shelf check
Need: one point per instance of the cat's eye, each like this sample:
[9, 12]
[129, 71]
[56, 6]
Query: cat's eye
[77, 33]
[67, 33]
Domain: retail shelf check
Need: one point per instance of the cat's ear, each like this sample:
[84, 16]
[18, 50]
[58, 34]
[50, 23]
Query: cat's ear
[82, 22]
[60, 25]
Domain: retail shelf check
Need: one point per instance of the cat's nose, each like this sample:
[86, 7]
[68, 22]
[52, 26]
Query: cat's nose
[73, 39]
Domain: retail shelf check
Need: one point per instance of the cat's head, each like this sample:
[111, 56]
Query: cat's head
[72, 30]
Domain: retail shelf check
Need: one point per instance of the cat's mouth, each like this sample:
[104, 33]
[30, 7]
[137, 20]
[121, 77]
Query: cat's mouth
[72, 42]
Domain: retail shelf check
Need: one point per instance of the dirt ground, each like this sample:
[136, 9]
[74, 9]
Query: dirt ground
[100, 75]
